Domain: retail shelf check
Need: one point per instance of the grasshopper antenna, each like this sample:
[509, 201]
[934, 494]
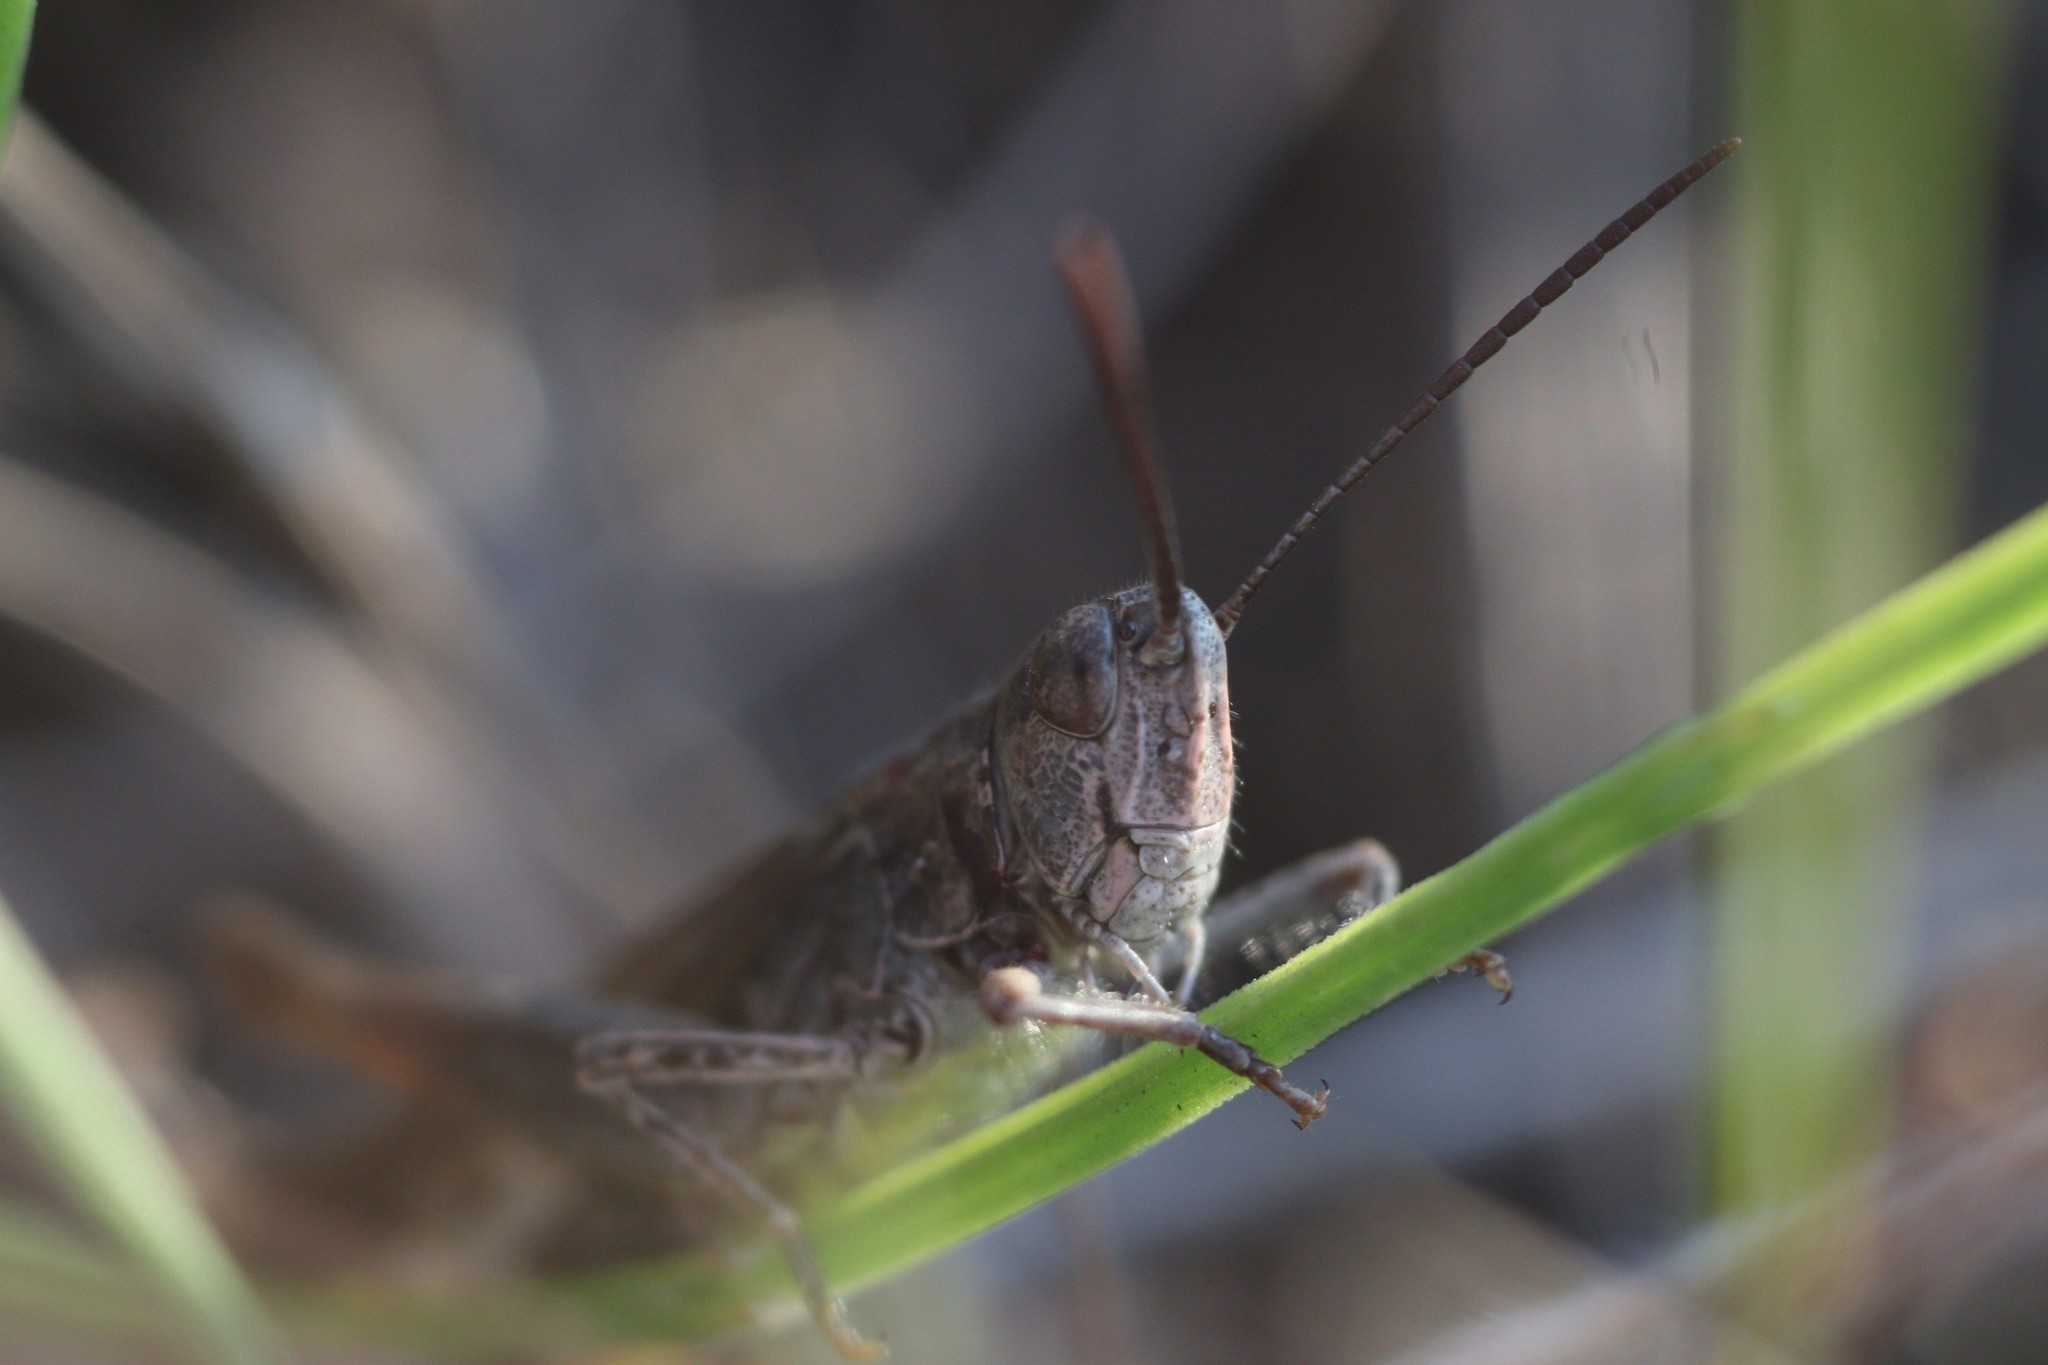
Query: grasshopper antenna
[1482, 350]
[1093, 272]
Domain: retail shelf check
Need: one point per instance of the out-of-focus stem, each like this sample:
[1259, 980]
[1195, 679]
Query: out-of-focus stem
[1865, 215]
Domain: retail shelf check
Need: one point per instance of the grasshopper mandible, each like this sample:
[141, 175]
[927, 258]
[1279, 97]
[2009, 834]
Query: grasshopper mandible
[1065, 828]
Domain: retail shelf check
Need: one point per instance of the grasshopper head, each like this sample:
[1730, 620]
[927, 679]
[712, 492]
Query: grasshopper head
[1112, 738]
[1113, 747]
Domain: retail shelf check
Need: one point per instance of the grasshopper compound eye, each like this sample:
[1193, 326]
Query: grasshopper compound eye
[1073, 672]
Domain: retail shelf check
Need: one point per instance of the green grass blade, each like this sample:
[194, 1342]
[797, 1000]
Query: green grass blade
[1858, 319]
[76, 1112]
[81, 1120]
[16, 18]
[1968, 619]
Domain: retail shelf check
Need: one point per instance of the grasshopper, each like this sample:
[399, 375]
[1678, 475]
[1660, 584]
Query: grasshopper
[1047, 858]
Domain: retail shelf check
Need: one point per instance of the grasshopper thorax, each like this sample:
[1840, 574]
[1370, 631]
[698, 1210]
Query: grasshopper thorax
[1113, 754]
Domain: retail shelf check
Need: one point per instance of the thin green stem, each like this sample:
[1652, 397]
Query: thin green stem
[88, 1129]
[17, 17]
[1865, 219]
[76, 1112]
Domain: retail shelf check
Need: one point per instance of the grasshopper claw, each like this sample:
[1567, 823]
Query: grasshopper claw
[1494, 968]
[1490, 965]
[1315, 1107]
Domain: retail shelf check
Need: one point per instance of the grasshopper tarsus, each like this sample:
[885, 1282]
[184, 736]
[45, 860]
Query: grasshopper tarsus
[1321, 1100]
[1492, 966]
[1229, 1053]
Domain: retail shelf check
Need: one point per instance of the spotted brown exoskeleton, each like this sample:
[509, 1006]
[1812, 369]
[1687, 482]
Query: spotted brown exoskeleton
[1047, 857]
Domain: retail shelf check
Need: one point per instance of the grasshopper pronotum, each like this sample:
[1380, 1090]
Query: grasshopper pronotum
[1064, 830]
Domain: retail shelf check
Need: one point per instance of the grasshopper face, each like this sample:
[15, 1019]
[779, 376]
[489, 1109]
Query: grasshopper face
[1114, 760]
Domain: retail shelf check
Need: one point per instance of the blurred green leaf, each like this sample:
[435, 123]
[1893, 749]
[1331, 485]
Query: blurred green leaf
[80, 1118]
[17, 17]
[49, 1275]
[75, 1110]
[1865, 220]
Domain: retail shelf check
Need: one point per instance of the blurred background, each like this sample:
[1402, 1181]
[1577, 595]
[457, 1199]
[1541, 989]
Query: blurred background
[472, 471]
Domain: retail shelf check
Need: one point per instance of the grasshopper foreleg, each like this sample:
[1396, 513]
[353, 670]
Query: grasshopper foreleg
[612, 1066]
[1283, 915]
[1129, 959]
[1015, 995]
[1262, 926]
[1490, 965]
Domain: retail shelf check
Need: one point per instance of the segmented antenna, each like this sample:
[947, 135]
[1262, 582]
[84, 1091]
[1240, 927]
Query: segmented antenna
[1093, 273]
[1483, 350]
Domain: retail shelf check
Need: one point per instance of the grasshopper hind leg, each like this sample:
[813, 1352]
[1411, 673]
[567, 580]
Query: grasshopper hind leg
[614, 1066]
